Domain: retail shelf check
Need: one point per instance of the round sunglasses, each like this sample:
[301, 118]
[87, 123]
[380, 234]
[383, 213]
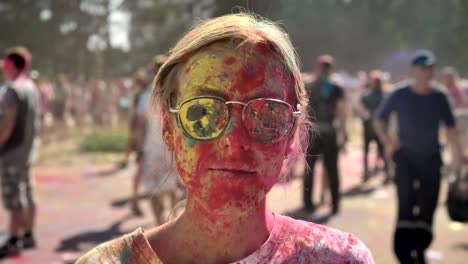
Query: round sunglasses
[266, 120]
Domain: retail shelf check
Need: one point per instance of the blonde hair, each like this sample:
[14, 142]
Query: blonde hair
[245, 30]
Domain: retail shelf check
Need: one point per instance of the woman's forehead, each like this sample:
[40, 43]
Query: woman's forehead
[225, 68]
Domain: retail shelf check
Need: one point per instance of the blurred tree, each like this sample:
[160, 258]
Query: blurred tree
[365, 33]
[59, 33]
[73, 36]
[269, 9]
[156, 25]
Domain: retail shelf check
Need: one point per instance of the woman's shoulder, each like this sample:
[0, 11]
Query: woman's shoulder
[130, 248]
[313, 242]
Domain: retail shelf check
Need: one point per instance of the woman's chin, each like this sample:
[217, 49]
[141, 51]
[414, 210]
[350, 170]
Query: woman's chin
[237, 206]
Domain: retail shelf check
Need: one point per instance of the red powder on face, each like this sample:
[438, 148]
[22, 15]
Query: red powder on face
[251, 77]
[229, 60]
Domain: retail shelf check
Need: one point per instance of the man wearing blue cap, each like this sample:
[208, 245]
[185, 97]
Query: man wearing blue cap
[420, 108]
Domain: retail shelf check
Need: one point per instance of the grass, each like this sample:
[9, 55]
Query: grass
[63, 145]
[105, 141]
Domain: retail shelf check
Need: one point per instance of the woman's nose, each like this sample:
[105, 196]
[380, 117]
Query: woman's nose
[235, 136]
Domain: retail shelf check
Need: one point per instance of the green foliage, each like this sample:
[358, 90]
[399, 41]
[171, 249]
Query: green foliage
[115, 141]
[361, 34]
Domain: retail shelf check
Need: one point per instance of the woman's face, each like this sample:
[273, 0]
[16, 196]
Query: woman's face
[232, 173]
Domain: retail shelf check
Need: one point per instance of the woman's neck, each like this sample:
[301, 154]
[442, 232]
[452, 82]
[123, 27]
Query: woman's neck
[210, 238]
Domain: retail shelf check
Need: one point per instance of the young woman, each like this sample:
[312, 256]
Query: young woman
[233, 106]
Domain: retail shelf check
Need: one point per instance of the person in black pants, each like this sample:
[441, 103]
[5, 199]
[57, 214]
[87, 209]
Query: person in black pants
[420, 108]
[328, 110]
[368, 104]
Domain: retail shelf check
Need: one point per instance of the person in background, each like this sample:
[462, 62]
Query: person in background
[452, 85]
[61, 90]
[420, 108]
[368, 104]
[329, 110]
[2, 87]
[233, 108]
[19, 102]
[2, 73]
[159, 179]
[137, 130]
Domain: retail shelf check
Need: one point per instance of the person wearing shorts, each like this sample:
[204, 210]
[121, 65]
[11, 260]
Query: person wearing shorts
[19, 103]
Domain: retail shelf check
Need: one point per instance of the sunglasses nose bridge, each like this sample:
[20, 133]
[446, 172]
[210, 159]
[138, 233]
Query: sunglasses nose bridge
[235, 116]
[241, 108]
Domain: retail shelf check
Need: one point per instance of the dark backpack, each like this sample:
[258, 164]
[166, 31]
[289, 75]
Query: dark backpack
[457, 198]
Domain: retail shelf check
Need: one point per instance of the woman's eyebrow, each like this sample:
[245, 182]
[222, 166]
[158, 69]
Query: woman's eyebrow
[206, 90]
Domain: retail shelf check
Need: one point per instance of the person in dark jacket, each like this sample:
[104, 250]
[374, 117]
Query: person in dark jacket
[420, 108]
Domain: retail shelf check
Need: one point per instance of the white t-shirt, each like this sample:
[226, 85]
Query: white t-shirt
[290, 241]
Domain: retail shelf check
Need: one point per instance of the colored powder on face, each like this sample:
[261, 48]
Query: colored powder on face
[225, 72]
[251, 77]
[190, 142]
[229, 126]
[229, 60]
[250, 71]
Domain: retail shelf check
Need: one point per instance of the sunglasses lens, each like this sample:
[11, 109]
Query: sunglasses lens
[203, 118]
[268, 120]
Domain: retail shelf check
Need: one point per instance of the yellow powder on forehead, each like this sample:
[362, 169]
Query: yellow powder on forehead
[203, 63]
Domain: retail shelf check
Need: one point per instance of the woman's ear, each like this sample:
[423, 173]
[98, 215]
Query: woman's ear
[167, 127]
[290, 147]
[293, 143]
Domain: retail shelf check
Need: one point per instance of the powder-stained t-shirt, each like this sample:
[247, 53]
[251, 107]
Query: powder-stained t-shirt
[290, 241]
[419, 118]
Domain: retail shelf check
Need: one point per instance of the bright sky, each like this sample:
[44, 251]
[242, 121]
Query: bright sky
[119, 26]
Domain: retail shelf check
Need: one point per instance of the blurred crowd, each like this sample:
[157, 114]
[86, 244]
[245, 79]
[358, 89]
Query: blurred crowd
[96, 102]
[72, 101]
[335, 97]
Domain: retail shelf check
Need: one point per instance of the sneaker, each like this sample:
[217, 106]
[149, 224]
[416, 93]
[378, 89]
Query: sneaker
[335, 210]
[10, 250]
[310, 208]
[29, 242]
